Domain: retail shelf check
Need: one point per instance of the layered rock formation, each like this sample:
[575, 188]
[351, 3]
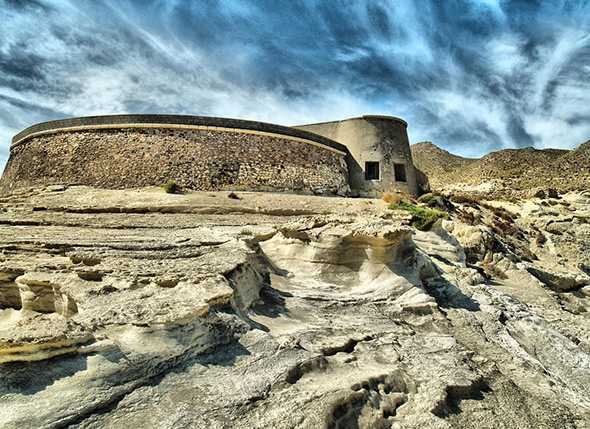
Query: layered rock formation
[140, 308]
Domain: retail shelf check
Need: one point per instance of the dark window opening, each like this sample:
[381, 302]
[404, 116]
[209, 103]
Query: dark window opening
[400, 172]
[371, 170]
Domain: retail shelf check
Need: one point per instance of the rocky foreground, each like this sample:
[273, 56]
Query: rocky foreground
[123, 309]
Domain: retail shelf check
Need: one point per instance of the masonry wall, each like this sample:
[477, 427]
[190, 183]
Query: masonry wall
[196, 159]
[380, 139]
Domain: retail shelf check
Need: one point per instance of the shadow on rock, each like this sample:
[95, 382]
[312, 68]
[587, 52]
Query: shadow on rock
[28, 378]
[272, 304]
[447, 295]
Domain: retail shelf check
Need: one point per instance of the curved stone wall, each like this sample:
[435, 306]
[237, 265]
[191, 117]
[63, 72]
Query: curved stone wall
[199, 153]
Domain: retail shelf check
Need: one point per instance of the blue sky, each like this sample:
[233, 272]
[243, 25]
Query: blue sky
[472, 75]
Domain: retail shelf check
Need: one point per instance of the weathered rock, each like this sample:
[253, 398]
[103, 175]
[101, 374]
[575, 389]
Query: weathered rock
[540, 194]
[56, 188]
[559, 281]
[122, 308]
[552, 193]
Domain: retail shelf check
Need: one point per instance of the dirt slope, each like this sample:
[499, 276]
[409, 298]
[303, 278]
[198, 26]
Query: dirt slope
[517, 171]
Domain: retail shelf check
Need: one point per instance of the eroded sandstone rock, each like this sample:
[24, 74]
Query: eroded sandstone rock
[288, 311]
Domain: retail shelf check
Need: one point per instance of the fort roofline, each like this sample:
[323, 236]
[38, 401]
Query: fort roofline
[89, 123]
[365, 117]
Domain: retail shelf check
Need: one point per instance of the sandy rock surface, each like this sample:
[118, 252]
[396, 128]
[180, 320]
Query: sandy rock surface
[138, 308]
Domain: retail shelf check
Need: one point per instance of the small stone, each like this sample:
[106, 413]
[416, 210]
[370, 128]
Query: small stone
[540, 194]
[56, 188]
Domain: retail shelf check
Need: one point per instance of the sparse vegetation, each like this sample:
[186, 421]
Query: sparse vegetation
[465, 199]
[500, 212]
[467, 217]
[423, 218]
[478, 202]
[246, 231]
[435, 200]
[506, 228]
[540, 239]
[170, 187]
[507, 174]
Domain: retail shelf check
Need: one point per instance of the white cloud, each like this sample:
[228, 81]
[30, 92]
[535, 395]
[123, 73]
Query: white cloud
[504, 53]
[552, 60]
[152, 65]
[556, 133]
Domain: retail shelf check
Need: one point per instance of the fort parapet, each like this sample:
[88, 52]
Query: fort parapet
[200, 153]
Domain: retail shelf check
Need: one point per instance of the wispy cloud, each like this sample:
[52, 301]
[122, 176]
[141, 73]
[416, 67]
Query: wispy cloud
[471, 75]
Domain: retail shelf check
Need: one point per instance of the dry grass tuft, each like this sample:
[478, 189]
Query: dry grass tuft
[396, 197]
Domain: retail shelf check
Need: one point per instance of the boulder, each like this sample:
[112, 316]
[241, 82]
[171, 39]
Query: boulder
[559, 281]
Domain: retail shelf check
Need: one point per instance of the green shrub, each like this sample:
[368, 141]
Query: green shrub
[428, 198]
[170, 187]
[422, 218]
[246, 231]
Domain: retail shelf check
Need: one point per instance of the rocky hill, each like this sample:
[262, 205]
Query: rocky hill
[138, 308]
[511, 171]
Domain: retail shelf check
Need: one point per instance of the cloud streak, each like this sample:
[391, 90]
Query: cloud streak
[470, 75]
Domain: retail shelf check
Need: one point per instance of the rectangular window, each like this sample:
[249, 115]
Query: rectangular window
[371, 170]
[400, 172]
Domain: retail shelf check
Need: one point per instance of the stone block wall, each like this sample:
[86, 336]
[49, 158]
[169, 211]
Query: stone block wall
[198, 159]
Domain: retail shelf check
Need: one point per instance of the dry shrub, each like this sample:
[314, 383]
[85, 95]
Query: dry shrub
[504, 228]
[493, 271]
[469, 199]
[540, 239]
[500, 212]
[391, 198]
[468, 217]
[396, 197]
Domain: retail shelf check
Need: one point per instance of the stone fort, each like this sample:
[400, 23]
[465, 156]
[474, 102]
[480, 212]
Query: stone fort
[362, 156]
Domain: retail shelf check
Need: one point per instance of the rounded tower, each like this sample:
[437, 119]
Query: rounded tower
[379, 158]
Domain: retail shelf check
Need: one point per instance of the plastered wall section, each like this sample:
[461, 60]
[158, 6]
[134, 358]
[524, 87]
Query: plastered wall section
[196, 159]
[372, 139]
